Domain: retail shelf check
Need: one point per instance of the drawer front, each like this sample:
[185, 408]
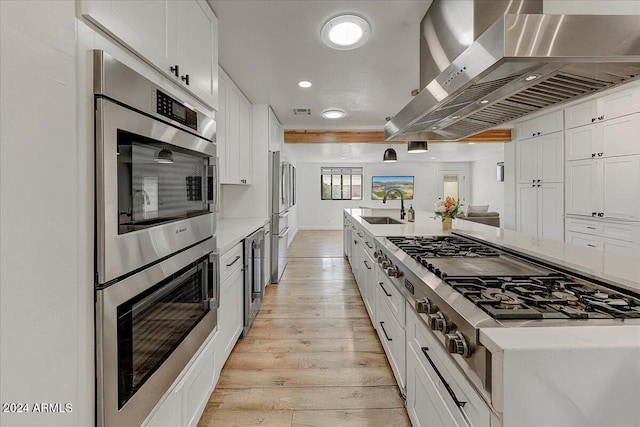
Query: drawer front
[419, 338]
[369, 244]
[392, 337]
[231, 261]
[584, 240]
[391, 296]
[584, 226]
[626, 232]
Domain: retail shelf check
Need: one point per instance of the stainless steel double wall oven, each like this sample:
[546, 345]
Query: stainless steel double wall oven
[157, 280]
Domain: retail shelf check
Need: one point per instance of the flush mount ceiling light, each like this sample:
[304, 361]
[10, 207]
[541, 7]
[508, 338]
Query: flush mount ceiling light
[390, 155]
[333, 114]
[346, 32]
[531, 77]
[417, 147]
[164, 156]
[305, 84]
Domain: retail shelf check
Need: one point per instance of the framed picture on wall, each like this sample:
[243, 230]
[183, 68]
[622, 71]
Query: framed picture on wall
[381, 184]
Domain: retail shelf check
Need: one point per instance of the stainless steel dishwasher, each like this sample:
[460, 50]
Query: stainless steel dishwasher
[254, 276]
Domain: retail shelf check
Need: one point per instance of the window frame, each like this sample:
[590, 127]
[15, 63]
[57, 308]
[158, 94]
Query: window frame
[352, 171]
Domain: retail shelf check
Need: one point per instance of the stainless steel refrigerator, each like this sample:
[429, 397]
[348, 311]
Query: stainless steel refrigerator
[282, 198]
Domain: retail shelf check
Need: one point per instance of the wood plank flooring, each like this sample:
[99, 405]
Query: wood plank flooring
[312, 357]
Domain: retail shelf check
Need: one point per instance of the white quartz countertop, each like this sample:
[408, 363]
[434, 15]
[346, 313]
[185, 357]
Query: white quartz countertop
[230, 231]
[618, 269]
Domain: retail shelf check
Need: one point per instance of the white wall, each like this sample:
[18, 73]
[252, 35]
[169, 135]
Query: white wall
[314, 213]
[485, 187]
[46, 262]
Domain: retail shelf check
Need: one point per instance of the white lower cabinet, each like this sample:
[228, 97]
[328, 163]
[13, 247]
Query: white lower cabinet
[608, 236]
[230, 313]
[368, 283]
[540, 210]
[392, 336]
[187, 399]
[431, 402]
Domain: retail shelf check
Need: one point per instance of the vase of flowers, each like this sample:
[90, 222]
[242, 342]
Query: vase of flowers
[447, 209]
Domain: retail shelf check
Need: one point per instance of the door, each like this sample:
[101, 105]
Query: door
[528, 209]
[528, 161]
[620, 136]
[452, 183]
[621, 187]
[583, 142]
[245, 143]
[550, 157]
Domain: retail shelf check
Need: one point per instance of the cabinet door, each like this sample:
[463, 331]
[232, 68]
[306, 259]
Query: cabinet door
[550, 157]
[581, 114]
[528, 161]
[168, 413]
[620, 104]
[198, 384]
[551, 123]
[145, 27]
[221, 127]
[197, 48]
[620, 136]
[274, 132]
[233, 134]
[246, 141]
[230, 319]
[583, 143]
[621, 181]
[527, 129]
[551, 211]
[528, 209]
[581, 188]
[621, 247]
[393, 339]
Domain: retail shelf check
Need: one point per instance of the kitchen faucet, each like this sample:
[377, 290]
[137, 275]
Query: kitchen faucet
[384, 200]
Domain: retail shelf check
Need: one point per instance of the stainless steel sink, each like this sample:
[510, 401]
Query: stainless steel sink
[381, 220]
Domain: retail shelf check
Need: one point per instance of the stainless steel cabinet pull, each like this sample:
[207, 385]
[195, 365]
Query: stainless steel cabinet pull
[385, 332]
[590, 245]
[458, 403]
[385, 291]
[368, 245]
[234, 261]
[175, 70]
[361, 235]
[185, 79]
[591, 228]
[366, 265]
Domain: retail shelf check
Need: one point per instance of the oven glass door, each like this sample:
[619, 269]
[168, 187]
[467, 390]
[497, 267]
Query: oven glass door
[151, 325]
[158, 182]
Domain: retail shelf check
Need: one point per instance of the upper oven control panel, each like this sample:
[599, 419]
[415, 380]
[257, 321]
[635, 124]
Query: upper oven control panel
[175, 110]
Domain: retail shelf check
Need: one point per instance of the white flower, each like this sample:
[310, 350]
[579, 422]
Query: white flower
[439, 203]
[440, 209]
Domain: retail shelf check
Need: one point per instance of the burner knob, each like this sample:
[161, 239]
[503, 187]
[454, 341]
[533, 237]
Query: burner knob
[425, 306]
[457, 343]
[438, 322]
[381, 258]
[376, 254]
[385, 264]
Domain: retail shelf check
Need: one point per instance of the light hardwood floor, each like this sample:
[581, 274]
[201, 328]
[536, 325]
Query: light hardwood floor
[312, 357]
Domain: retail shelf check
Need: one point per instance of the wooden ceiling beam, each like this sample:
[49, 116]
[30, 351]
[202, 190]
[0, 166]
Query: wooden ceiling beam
[377, 137]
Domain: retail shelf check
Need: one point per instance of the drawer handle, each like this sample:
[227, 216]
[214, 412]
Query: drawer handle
[385, 332]
[368, 245]
[591, 228]
[590, 245]
[366, 264]
[458, 403]
[234, 261]
[361, 235]
[385, 291]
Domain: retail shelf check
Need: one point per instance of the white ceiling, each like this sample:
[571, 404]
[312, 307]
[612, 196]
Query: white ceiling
[268, 46]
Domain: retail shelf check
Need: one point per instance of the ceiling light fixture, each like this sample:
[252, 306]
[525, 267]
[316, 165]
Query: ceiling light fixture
[432, 158]
[390, 155]
[417, 147]
[305, 84]
[345, 32]
[471, 143]
[333, 114]
[531, 77]
[164, 156]
[484, 101]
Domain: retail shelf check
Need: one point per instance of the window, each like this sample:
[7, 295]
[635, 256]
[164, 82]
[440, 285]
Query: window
[341, 183]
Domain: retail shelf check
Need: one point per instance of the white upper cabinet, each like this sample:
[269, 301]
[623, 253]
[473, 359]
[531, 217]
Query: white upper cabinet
[621, 187]
[539, 126]
[616, 137]
[541, 159]
[582, 188]
[608, 107]
[276, 133]
[178, 37]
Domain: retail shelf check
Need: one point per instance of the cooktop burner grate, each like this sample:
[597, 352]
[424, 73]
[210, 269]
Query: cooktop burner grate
[442, 246]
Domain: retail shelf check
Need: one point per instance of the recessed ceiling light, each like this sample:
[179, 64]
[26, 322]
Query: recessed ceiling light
[345, 32]
[333, 113]
[304, 84]
[484, 101]
[434, 127]
[343, 158]
[531, 77]
[455, 117]
[471, 143]
[432, 158]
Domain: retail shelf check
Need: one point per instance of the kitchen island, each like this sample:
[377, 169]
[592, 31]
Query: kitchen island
[570, 372]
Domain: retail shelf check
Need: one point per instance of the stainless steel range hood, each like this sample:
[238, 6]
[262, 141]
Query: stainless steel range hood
[519, 65]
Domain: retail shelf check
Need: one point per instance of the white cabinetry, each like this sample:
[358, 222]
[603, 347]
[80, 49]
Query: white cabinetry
[434, 384]
[185, 402]
[539, 126]
[230, 313]
[234, 134]
[609, 236]
[540, 172]
[179, 38]
[615, 137]
[608, 107]
[276, 133]
[392, 336]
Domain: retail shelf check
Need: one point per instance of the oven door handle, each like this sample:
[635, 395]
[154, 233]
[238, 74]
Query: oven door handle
[213, 303]
[458, 403]
[213, 185]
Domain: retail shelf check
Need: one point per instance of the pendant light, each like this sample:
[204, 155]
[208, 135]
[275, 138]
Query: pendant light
[390, 155]
[164, 156]
[417, 147]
